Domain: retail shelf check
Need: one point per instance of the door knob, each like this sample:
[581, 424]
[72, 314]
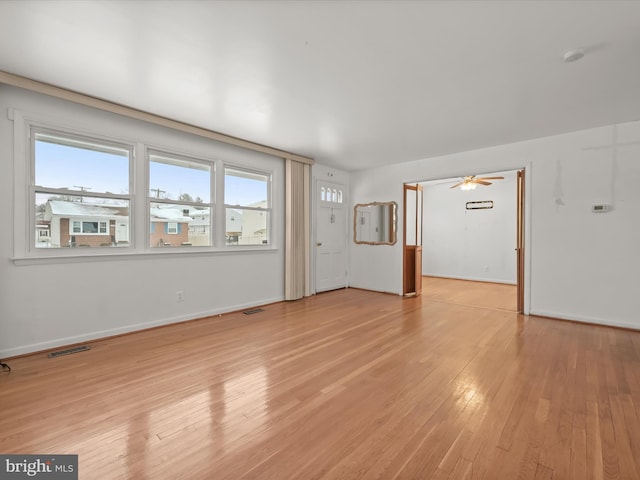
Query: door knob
[319, 244]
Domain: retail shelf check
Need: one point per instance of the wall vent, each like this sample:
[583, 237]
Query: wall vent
[252, 311]
[68, 351]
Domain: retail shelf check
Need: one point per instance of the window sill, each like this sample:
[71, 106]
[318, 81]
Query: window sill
[145, 255]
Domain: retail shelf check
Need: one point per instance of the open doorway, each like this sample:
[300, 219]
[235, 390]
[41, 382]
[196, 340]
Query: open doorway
[473, 242]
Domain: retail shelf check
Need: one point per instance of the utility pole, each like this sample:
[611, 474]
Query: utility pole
[82, 188]
[158, 191]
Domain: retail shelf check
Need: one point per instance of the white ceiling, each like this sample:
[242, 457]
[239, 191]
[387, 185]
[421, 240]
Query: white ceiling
[352, 84]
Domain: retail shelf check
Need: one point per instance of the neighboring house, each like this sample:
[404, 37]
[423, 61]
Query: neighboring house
[78, 224]
[169, 226]
[200, 227]
[233, 226]
[245, 226]
[254, 225]
[43, 232]
[173, 225]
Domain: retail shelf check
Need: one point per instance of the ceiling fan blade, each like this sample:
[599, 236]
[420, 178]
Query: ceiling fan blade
[457, 185]
[481, 182]
[490, 178]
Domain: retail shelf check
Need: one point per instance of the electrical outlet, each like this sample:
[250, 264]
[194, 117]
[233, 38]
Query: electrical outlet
[179, 296]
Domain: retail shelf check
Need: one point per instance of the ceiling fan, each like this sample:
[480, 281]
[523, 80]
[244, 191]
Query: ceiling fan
[470, 182]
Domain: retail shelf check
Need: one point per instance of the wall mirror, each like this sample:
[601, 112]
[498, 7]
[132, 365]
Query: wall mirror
[375, 223]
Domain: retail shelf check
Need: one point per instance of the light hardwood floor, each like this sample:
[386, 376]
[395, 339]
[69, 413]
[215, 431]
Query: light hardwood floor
[499, 296]
[343, 385]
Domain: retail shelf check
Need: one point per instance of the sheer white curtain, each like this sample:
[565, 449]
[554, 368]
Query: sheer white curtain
[298, 230]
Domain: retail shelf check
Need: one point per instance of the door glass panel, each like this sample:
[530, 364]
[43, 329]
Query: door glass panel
[419, 216]
[410, 217]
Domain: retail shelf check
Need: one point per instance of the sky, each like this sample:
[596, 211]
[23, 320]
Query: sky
[63, 166]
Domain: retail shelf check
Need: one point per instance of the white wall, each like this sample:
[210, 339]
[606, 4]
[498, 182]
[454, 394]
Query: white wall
[470, 244]
[48, 303]
[580, 265]
[376, 267]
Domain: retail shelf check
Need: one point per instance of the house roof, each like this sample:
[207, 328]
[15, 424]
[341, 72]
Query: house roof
[168, 214]
[79, 209]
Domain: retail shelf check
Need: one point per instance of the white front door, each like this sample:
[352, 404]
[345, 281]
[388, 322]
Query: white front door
[331, 240]
[122, 231]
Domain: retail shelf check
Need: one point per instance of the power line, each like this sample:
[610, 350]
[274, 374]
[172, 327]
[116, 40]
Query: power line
[158, 191]
[82, 188]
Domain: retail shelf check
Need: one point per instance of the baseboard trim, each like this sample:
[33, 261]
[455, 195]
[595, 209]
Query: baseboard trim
[584, 319]
[375, 291]
[100, 335]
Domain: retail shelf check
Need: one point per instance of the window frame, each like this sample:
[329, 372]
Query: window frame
[170, 154]
[33, 129]
[82, 232]
[28, 241]
[267, 210]
[172, 228]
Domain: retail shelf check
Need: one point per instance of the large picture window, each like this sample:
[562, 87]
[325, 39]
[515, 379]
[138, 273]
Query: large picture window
[89, 194]
[96, 228]
[247, 206]
[180, 201]
[81, 191]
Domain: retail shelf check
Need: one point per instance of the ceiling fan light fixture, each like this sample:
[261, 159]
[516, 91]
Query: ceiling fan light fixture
[468, 186]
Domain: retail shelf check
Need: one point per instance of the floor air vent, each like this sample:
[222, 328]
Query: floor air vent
[252, 311]
[68, 351]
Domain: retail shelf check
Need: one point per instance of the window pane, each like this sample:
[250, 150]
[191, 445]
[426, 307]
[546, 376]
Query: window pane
[245, 188]
[174, 225]
[179, 179]
[89, 227]
[74, 221]
[80, 165]
[246, 227]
